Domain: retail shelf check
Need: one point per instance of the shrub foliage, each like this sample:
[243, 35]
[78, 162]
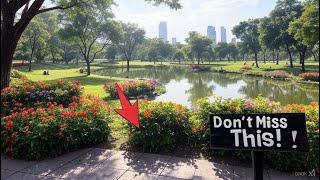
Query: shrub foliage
[163, 125]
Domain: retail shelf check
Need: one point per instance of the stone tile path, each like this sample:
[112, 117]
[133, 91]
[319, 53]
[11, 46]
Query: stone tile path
[98, 164]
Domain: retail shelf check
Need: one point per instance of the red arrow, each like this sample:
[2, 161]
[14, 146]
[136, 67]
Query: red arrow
[128, 111]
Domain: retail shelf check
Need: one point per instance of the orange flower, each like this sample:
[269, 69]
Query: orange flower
[147, 114]
[83, 114]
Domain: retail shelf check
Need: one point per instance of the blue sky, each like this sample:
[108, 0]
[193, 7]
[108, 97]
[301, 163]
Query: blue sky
[195, 15]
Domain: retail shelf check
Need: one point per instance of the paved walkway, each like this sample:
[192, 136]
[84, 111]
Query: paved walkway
[94, 163]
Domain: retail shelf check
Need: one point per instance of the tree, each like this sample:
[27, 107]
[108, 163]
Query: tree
[91, 29]
[53, 43]
[133, 36]
[232, 51]
[13, 25]
[242, 49]
[305, 29]
[34, 39]
[269, 37]
[165, 50]
[221, 50]
[178, 55]
[111, 52]
[248, 32]
[198, 43]
[280, 17]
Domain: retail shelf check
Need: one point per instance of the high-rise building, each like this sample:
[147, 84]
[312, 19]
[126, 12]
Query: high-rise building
[163, 31]
[211, 33]
[174, 41]
[234, 40]
[223, 34]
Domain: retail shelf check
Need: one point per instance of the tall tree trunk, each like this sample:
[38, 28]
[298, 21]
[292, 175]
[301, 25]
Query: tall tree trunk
[88, 67]
[30, 62]
[302, 55]
[128, 65]
[290, 55]
[273, 56]
[277, 58]
[256, 59]
[6, 63]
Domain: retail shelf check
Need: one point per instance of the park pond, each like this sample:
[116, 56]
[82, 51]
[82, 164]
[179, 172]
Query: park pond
[186, 87]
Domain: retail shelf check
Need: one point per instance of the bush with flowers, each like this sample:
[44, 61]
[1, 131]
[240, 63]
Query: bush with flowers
[300, 161]
[279, 160]
[37, 132]
[163, 126]
[135, 88]
[278, 74]
[26, 93]
[310, 76]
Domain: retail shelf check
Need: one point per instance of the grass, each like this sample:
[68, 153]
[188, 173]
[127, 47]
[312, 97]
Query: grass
[93, 84]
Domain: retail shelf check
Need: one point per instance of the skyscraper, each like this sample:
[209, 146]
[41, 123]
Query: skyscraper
[211, 33]
[163, 31]
[223, 34]
[174, 41]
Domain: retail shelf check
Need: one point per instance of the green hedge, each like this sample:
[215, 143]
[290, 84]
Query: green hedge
[163, 126]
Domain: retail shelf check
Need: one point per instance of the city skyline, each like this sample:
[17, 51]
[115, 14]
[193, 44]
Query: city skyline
[194, 16]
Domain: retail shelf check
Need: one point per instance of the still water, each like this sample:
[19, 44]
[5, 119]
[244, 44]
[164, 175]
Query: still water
[186, 87]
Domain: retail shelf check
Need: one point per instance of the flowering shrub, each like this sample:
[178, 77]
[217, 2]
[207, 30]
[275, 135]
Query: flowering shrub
[246, 67]
[35, 133]
[278, 74]
[300, 161]
[134, 88]
[279, 160]
[227, 106]
[310, 76]
[26, 93]
[163, 125]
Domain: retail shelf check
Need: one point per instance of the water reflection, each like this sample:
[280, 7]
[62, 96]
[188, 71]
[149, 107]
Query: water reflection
[187, 87]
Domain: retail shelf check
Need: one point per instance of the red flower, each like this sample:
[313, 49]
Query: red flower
[5, 104]
[62, 127]
[9, 125]
[73, 105]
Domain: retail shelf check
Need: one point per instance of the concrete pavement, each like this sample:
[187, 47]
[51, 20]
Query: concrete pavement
[96, 164]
